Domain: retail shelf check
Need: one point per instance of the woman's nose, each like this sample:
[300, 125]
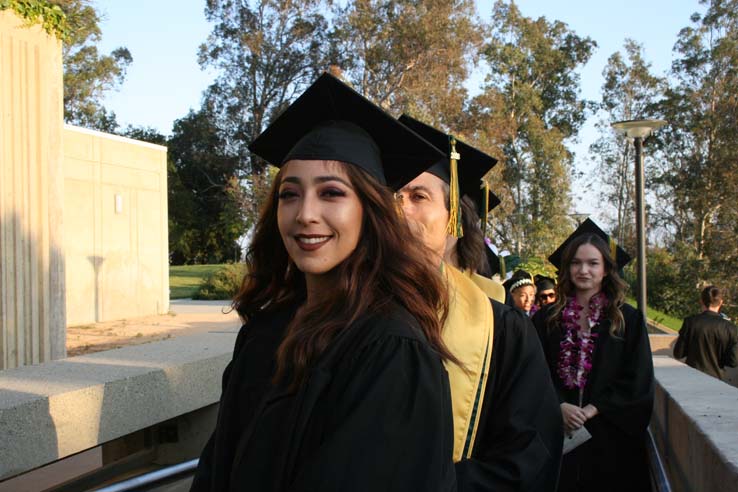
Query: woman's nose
[308, 211]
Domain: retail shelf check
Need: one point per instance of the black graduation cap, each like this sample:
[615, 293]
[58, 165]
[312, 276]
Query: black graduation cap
[544, 283]
[332, 121]
[472, 165]
[496, 263]
[589, 227]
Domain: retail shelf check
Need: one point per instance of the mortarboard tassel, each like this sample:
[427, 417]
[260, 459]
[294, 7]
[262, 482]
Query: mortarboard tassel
[454, 220]
[614, 250]
[486, 208]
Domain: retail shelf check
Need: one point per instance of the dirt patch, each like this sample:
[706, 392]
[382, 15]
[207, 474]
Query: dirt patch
[89, 338]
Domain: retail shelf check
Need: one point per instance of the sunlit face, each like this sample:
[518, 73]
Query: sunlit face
[424, 205]
[546, 297]
[524, 297]
[587, 269]
[319, 215]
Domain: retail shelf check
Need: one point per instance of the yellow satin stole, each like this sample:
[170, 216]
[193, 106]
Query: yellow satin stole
[492, 288]
[468, 334]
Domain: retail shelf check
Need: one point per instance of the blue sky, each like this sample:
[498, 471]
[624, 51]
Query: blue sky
[164, 81]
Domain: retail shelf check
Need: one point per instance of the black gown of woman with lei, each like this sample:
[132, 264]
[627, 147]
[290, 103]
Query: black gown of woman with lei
[607, 374]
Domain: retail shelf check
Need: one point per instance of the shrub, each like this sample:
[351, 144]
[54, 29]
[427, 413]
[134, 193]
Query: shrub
[222, 284]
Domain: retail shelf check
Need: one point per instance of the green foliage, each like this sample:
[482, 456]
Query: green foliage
[50, 16]
[672, 286]
[265, 53]
[696, 177]
[206, 210]
[144, 134]
[87, 73]
[667, 320]
[185, 280]
[629, 92]
[222, 284]
[537, 266]
[533, 82]
[407, 55]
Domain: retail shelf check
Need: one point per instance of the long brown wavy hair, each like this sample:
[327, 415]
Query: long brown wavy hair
[386, 266]
[612, 285]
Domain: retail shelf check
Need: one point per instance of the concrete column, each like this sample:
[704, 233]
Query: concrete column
[32, 281]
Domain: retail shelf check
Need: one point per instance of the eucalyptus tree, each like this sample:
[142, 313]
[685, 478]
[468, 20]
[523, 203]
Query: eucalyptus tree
[533, 82]
[630, 91]
[88, 74]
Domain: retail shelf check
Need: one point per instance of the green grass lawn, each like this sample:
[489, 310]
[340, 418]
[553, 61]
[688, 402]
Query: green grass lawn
[184, 280]
[660, 317]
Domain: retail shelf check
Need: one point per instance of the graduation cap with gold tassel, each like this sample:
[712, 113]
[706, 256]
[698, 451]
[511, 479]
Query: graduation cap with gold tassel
[620, 256]
[463, 170]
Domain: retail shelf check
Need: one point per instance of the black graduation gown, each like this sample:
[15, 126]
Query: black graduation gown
[621, 386]
[708, 341]
[519, 439]
[375, 414]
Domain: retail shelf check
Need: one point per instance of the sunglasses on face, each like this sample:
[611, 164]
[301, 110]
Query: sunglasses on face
[547, 295]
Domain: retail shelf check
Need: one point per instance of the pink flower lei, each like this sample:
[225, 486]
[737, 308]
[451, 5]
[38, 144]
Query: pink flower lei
[575, 355]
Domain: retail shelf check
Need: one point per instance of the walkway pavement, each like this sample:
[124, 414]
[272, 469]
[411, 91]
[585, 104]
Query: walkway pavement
[186, 317]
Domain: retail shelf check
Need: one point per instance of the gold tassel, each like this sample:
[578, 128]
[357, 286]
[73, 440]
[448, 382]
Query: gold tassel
[454, 220]
[486, 209]
[613, 250]
[502, 267]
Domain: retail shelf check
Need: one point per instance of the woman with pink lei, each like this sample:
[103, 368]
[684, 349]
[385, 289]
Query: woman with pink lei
[600, 361]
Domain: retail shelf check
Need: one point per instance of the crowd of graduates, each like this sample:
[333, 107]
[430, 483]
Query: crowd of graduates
[380, 349]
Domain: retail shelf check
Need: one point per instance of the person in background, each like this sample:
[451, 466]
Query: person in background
[708, 340]
[507, 431]
[337, 380]
[600, 361]
[545, 291]
[522, 292]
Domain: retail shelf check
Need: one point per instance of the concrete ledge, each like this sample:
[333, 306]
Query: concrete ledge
[53, 410]
[662, 344]
[695, 425]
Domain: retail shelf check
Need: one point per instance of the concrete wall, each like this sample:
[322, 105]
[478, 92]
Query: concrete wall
[116, 225]
[695, 426]
[53, 410]
[32, 317]
[664, 345]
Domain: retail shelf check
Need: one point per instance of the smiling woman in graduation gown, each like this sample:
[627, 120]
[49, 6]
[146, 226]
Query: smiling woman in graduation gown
[374, 414]
[337, 380]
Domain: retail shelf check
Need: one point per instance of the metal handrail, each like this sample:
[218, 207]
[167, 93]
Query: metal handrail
[660, 480]
[151, 478]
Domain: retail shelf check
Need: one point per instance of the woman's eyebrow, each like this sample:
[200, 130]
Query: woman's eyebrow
[324, 179]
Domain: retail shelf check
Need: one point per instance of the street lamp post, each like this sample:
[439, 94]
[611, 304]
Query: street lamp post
[638, 130]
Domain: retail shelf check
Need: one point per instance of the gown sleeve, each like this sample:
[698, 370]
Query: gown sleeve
[203, 476]
[680, 347]
[627, 399]
[391, 428]
[519, 441]
[729, 359]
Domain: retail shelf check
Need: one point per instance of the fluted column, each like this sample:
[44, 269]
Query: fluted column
[32, 301]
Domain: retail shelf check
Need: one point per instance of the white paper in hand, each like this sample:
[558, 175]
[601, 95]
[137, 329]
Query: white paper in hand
[574, 439]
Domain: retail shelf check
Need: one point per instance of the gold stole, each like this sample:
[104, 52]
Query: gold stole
[468, 334]
[492, 288]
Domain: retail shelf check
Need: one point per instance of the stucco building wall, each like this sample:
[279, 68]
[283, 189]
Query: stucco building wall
[32, 317]
[115, 202]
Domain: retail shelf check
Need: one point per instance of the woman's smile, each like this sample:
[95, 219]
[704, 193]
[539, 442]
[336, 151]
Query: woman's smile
[311, 242]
